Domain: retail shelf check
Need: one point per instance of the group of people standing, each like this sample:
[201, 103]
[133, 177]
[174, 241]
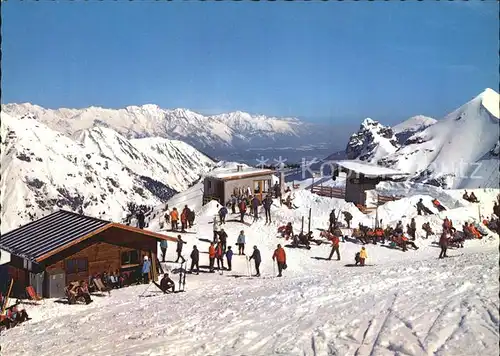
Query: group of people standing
[186, 218]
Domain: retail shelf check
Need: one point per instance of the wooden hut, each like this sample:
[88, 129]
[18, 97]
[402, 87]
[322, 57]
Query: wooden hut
[63, 247]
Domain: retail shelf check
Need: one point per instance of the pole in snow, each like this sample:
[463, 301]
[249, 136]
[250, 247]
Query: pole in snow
[309, 225]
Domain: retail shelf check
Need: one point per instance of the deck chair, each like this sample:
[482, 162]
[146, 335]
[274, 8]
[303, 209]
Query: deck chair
[32, 293]
[101, 287]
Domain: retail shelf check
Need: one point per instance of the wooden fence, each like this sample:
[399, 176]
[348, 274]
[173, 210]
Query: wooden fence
[331, 192]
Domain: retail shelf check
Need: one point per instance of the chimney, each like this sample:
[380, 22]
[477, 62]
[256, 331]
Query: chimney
[239, 168]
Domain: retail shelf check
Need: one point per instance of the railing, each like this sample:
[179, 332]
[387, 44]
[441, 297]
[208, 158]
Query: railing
[331, 192]
[382, 199]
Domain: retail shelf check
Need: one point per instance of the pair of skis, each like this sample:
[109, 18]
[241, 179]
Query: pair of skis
[182, 276]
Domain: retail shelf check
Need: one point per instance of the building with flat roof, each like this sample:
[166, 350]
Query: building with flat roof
[220, 186]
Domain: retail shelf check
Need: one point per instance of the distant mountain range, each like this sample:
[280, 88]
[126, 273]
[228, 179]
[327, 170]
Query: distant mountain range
[220, 136]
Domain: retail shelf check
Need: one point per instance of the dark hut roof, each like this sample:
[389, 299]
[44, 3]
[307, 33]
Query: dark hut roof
[49, 233]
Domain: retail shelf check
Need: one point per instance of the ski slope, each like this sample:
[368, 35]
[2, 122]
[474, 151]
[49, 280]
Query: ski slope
[407, 303]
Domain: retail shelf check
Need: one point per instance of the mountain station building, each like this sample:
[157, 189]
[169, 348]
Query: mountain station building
[220, 186]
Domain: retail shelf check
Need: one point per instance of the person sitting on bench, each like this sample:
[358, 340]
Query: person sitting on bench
[166, 284]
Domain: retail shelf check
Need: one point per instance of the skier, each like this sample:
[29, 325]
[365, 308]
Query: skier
[268, 201]
[163, 247]
[257, 259]
[179, 249]
[243, 209]
[362, 256]
[140, 220]
[447, 224]
[443, 243]
[146, 268]
[223, 239]
[184, 218]
[219, 255]
[347, 218]
[222, 215]
[413, 229]
[166, 284]
[195, 259]
[280, 257]
[277, 190]
[241, 243]
[466, 196]
[335, 247]
[438, 205]
[333, 220]
[473, 198]
[357, 259]
[233, 204]
[211, 256]
[255, 208]
[191, 217]
[427, 228]
[174, 218]
[216, 230]
[229, 257]
[399, 227]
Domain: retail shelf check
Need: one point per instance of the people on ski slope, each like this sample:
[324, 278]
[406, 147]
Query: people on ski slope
[219, 256]
[174, 219]
[333, 220]
[211, 256]
[140, 220]
[216, 230]
[146, 268]
[195, 259]
[399, 227]
[335, 247]
[257, 260]
[240, 241]
[357, 259]
[266, 203]
[222, 214]
[427, 228]
[242, 206]
[362, 256]
[234, 200]
[422, 208]
[167, 284]
[347, 218]
[223, 239]
[191, 217]
[438, 205]
[412, 229]
[255, 208]
[229, 257]
[280, 257]
[180, 244]
[443, 243]
[184, 218]
[163, 248]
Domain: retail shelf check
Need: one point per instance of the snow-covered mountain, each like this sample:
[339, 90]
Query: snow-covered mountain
[459, 151]
[372, 142]
[211, 134]
[98, 173]
[410, 127]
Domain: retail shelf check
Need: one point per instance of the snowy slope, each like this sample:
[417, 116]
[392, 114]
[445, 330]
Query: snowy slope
[457, 151]
[174, 163]
[207, 133]
[413, 125]
[372, 142]
[43, 169]
[408, 303]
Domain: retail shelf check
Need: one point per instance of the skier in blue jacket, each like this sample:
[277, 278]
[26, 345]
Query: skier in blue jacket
[146, 268]
[229, 257]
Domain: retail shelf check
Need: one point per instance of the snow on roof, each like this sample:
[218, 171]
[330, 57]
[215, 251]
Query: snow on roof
[368, 169]
[232, 173]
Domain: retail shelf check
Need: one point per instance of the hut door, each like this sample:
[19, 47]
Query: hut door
[57, 282]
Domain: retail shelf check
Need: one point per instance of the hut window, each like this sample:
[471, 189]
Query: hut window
[76, 265]
[130, 257]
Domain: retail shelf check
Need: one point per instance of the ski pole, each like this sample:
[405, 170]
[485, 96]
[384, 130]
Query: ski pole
[274, 268]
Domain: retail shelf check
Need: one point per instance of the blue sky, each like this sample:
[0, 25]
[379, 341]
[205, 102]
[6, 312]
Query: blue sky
[326, 61]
